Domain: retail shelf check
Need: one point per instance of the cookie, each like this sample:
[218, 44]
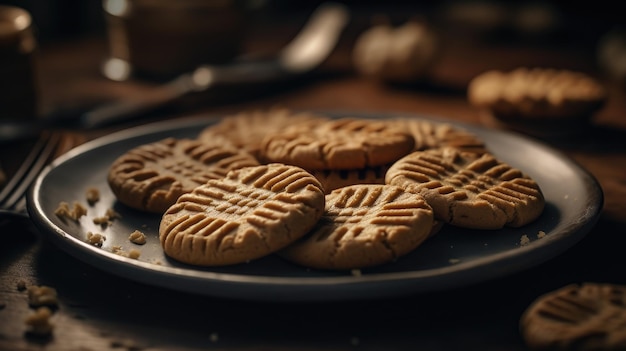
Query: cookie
[469, 190]
[591, 316]
[334, 179]
[540, 101]
[339, 144]
[247, 129]
[151, 177]
[432, 135]
[363, 226]
[252, 212]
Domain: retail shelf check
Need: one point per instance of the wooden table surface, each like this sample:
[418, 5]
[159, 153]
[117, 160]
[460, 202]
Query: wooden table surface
[101, 311]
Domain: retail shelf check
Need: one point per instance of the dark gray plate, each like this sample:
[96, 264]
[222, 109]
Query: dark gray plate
[453, 258]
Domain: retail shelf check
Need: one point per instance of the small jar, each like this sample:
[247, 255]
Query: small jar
[163, 38]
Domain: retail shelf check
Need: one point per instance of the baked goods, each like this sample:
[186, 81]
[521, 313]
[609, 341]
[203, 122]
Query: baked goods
[344, 143]
[250, 213]
[364, 225]
[469, 190]
[247, 129]
[590, 316]
[432, 135]
[539, 101]
[151, 177]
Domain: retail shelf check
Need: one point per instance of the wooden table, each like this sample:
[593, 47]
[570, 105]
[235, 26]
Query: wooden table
[100, 311]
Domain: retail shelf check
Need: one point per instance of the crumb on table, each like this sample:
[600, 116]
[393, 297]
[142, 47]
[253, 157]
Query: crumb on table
[92, 195]
[42, 296]
[39, 322]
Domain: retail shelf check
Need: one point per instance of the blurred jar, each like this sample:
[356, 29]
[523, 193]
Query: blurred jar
[18, 88]
[162, 38]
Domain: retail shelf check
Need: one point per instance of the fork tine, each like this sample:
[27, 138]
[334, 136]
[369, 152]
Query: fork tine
[14, 190]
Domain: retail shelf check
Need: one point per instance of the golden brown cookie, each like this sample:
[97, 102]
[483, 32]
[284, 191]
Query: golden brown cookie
[250, 213]
[591, 316]
[432, 135]
[540, 101]
[151, 177]
[247, 129]
[363, 226]
[345, 143]
[469, 190]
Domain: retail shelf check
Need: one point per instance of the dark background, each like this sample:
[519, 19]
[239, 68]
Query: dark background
[66, 19]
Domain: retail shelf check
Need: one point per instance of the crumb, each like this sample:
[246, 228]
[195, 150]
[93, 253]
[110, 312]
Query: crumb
[21, 285]
[541, 234]
[92, 195]
[134, 254]
[42, 296]
[454, 260]
[95, 239]
[524, 240]
[102, 221]
[112, 214]
[137, 237]
[116, 249]
[39, 322]
[214, 337]
[356, 272]
[74, 213]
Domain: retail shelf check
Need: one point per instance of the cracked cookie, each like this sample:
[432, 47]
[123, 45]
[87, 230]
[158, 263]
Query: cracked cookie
[590, 316]
[362, 226]
[469, 190]
[252, 212]
[339, 144]
[151, 177]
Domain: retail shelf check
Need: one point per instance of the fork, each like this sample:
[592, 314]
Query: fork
[13, 194]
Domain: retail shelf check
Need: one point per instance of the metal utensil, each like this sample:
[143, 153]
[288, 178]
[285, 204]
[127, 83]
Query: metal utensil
[310, 48]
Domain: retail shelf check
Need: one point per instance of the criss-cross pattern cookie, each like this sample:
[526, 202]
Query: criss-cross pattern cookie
[345, 143]
[151, 177]
[362, 226]
[590, 316]
[250, 213]
[247, 129]
[432, 135]
[469, 190]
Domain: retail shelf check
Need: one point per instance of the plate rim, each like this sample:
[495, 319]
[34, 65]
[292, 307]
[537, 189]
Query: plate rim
[196, 281]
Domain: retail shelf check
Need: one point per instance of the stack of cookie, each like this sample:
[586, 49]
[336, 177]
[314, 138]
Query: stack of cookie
[321, 192]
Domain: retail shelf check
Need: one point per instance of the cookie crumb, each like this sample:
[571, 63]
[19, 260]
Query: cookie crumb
[92, 195]
[74, 213]
[454, 260]
[95, 239]
[102, 221]
[137, 237]
[134, 254]
[541, 234]
[39, 322]
[524, 240]
[42, 296]
[356, 272]
[112, 214]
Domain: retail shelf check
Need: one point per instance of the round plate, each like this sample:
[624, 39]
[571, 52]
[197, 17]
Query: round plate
[452, 258]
